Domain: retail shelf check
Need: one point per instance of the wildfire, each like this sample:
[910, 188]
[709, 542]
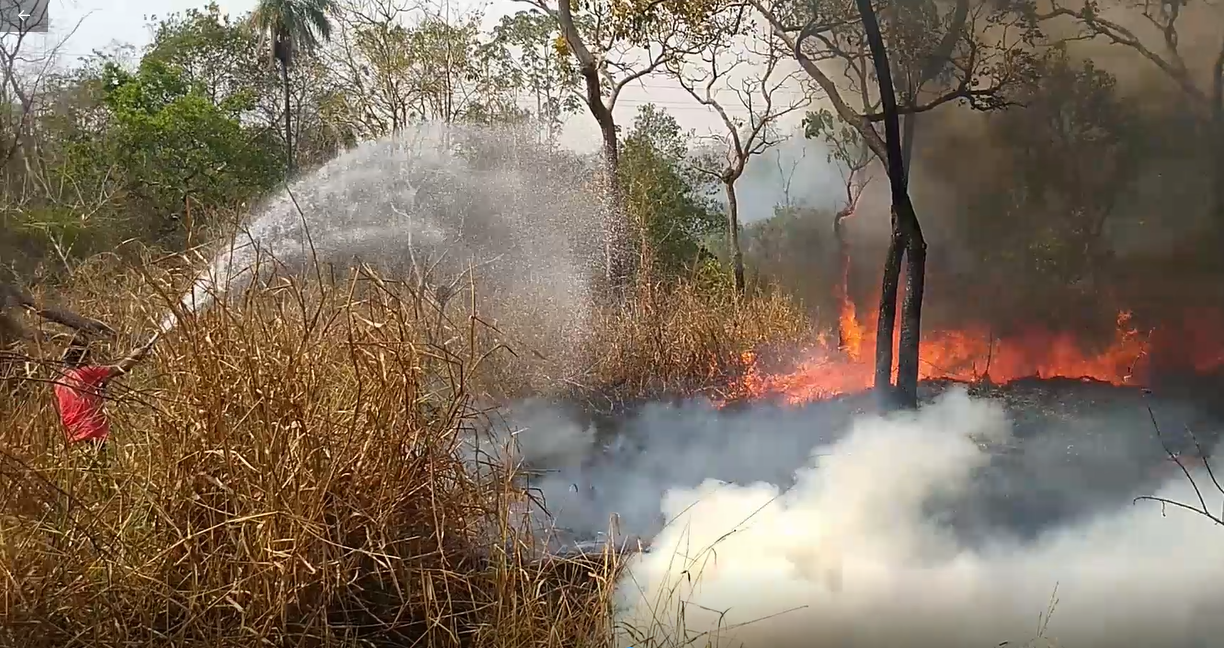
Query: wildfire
[975, 354]
[850, 331]
[972, 354]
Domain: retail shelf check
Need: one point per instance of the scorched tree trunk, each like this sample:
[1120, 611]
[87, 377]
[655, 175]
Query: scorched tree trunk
[907, 234]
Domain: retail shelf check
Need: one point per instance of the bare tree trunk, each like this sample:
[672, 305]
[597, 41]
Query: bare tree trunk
[886, 324]
[613, 234]
[908, 126]
[901, 245]
[911, 317]
[288, 118]
[915, 286]
[737, 255]
[887, 319]
[907, 235]
[616, 271]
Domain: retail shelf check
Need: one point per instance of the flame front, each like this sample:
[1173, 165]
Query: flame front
[972, 354]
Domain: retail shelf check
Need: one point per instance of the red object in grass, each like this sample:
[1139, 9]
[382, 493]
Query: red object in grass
[79, 393]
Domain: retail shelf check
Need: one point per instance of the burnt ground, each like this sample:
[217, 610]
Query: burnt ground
[1077, 447]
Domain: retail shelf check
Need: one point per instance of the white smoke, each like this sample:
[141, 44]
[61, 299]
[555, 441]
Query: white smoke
[851, 555]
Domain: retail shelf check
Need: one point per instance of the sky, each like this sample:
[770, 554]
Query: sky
[100, 24]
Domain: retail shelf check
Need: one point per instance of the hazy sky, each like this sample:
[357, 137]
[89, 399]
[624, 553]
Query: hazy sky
[101, 23]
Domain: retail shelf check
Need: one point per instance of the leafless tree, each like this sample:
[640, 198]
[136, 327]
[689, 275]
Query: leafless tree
[788, 175]
[24, 70]
[766, 96]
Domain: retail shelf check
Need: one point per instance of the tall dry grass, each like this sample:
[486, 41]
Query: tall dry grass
[287, 470]
[284, 472]
[688, 338]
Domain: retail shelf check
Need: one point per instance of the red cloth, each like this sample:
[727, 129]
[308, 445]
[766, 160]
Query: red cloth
[79, 394]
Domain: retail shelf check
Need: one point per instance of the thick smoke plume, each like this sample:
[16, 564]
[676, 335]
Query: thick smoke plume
[1006, 214]
[955, 526]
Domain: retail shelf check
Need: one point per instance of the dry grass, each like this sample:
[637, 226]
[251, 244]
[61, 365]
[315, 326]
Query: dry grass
[287, 474]
[286, 471]
[689, 338]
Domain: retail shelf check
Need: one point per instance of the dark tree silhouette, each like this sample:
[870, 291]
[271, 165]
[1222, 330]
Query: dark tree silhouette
[907, 240]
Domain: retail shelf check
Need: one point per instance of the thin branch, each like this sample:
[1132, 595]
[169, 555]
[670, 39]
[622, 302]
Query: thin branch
[1097, 26]
[756, 94]
[795, 46]
[1202, 508]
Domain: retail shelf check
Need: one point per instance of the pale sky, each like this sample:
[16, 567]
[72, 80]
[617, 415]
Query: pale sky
[103, 23]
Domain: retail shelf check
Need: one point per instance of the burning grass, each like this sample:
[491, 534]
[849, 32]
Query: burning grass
[287, 470]
[843, 363]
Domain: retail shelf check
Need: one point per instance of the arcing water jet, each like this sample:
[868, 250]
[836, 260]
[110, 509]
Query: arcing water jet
[433, 199]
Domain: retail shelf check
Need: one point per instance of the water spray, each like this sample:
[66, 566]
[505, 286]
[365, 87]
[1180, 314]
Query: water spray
[524, 220]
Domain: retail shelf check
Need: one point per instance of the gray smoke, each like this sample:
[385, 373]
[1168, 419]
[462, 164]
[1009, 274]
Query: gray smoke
[950, 527]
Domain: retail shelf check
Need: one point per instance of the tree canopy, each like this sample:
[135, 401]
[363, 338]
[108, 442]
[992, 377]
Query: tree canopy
[1034, 153]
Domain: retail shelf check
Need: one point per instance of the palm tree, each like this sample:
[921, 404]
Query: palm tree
[292, 26]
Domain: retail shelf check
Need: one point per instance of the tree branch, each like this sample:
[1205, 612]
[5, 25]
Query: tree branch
[1119, 35]
[742, 142]
[11, 295]
[795, 45]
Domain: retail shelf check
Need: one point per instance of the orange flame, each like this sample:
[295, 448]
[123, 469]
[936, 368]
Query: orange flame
[850, 331]
[972, 355]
